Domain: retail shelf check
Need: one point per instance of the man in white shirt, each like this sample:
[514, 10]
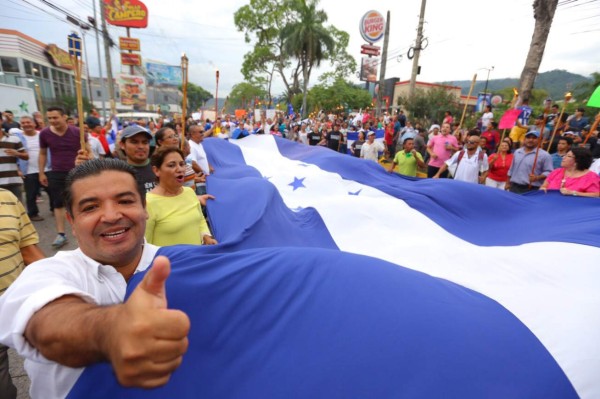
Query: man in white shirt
[198, 155]
[31, 167]
[471, 163]
[371, 148]
[66, 312]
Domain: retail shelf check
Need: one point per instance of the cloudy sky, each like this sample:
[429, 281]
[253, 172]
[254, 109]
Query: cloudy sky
[464, 36]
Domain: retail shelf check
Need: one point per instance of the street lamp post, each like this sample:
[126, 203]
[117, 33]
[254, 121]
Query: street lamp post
[184, 83]
[486, 86]
[217, 96]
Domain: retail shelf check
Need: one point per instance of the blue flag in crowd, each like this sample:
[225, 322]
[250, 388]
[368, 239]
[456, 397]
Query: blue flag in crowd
[290, 109]
[336, 279]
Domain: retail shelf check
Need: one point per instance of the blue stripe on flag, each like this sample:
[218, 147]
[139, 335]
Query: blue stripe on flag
[300, 323]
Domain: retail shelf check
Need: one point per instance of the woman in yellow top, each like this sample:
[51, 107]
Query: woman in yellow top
[175, 216]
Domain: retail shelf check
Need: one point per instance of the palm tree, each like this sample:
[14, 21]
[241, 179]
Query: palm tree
[307, 39]
[543, 12]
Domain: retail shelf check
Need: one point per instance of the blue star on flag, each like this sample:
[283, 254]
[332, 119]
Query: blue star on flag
[355, 193]
[297, 183]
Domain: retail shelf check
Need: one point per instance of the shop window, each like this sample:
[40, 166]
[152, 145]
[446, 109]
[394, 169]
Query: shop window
[9, 64]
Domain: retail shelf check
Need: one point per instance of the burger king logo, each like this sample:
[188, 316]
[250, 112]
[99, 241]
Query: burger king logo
[372, 25]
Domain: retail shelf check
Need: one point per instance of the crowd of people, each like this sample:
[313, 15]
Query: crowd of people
[126, 191]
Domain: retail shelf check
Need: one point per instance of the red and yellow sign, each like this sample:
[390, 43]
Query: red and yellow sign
[131, 59]
[129, 44]
[372, 26]
[58, 57]
[127, 13]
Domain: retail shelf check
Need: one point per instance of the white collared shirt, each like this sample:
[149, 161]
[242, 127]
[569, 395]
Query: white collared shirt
[66, 273]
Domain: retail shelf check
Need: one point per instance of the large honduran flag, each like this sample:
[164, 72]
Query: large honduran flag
[335, 279]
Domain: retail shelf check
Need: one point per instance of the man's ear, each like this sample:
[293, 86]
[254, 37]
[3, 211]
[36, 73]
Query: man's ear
[71, 221]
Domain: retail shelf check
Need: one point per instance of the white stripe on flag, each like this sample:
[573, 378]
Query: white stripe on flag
[536, 282]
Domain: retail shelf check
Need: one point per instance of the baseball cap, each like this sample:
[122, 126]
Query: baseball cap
[132, 130]
[434, 126]
[92, 122]
[533, 133]
[570, 132]
[371, 133]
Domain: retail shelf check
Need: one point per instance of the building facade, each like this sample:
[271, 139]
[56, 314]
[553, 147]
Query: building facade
[27, 62]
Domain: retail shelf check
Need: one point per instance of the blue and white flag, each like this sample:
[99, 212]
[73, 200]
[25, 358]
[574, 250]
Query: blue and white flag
[336, 279]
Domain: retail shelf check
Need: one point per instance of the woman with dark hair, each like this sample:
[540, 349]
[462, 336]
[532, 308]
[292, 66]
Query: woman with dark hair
[574, 176]
[166, 136]
[499, 164]
[174, 213]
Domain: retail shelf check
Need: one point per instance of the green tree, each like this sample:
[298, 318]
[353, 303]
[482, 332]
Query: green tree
[69, 103]
[307, 40]
[196, 96]
[428, 106]
[330, 96]
[262, 22]
[243, 94]
[585, 90]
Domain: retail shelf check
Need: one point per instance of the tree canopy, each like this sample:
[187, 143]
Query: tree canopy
[243, 95]
[196, 96]
[262, 22]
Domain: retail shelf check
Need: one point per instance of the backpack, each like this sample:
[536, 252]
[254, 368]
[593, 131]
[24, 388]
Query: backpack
[452, 169]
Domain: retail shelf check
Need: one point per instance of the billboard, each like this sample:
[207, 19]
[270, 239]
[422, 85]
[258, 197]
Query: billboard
[160, 74]
[132, 90]
[126, 13]
[131, 59]
[129, 44]
[368, 69]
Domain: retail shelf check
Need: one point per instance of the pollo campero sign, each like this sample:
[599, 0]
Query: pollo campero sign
[126, 13]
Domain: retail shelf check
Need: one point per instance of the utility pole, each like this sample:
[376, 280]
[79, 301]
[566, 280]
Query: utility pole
[109, 75]
[386, 39]
[93, 21]
[417, 50]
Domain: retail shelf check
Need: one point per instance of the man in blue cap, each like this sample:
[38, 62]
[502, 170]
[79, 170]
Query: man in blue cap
[523, 177]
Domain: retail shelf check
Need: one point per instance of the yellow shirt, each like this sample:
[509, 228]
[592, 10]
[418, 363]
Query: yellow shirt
[17, 232]
[175, 220]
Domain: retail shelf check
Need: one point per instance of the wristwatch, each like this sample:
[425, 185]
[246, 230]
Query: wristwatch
[574, 193]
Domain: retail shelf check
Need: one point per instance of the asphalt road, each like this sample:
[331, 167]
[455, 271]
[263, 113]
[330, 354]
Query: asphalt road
[47, 231]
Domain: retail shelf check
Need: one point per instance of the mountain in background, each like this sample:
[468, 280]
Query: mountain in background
[556, 83]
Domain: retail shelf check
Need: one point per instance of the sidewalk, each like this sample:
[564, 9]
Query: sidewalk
[47, 233]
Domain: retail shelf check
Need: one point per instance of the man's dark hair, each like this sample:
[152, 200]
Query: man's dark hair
[56, 108]
[569, 140]
[583, 158]
[95, 167]
[407, 139]
[8, 111]
[581, 109]
[474, 132]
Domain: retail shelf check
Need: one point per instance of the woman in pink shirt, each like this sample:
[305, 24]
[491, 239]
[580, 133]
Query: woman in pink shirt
[440, 149]
[574, 177]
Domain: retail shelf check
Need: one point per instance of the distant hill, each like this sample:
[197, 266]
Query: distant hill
[555, 82]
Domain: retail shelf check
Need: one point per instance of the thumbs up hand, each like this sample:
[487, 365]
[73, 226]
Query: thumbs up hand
[148, 340]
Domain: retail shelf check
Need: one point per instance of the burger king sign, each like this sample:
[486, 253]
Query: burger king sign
[372, 25]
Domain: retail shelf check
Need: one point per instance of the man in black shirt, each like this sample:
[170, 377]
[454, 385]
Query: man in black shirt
[135, 143]
[357, 145]
[334, 138]
[314, 138]
[9, 122]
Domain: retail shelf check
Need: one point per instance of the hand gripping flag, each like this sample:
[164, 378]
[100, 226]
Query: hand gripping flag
[336, 279]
